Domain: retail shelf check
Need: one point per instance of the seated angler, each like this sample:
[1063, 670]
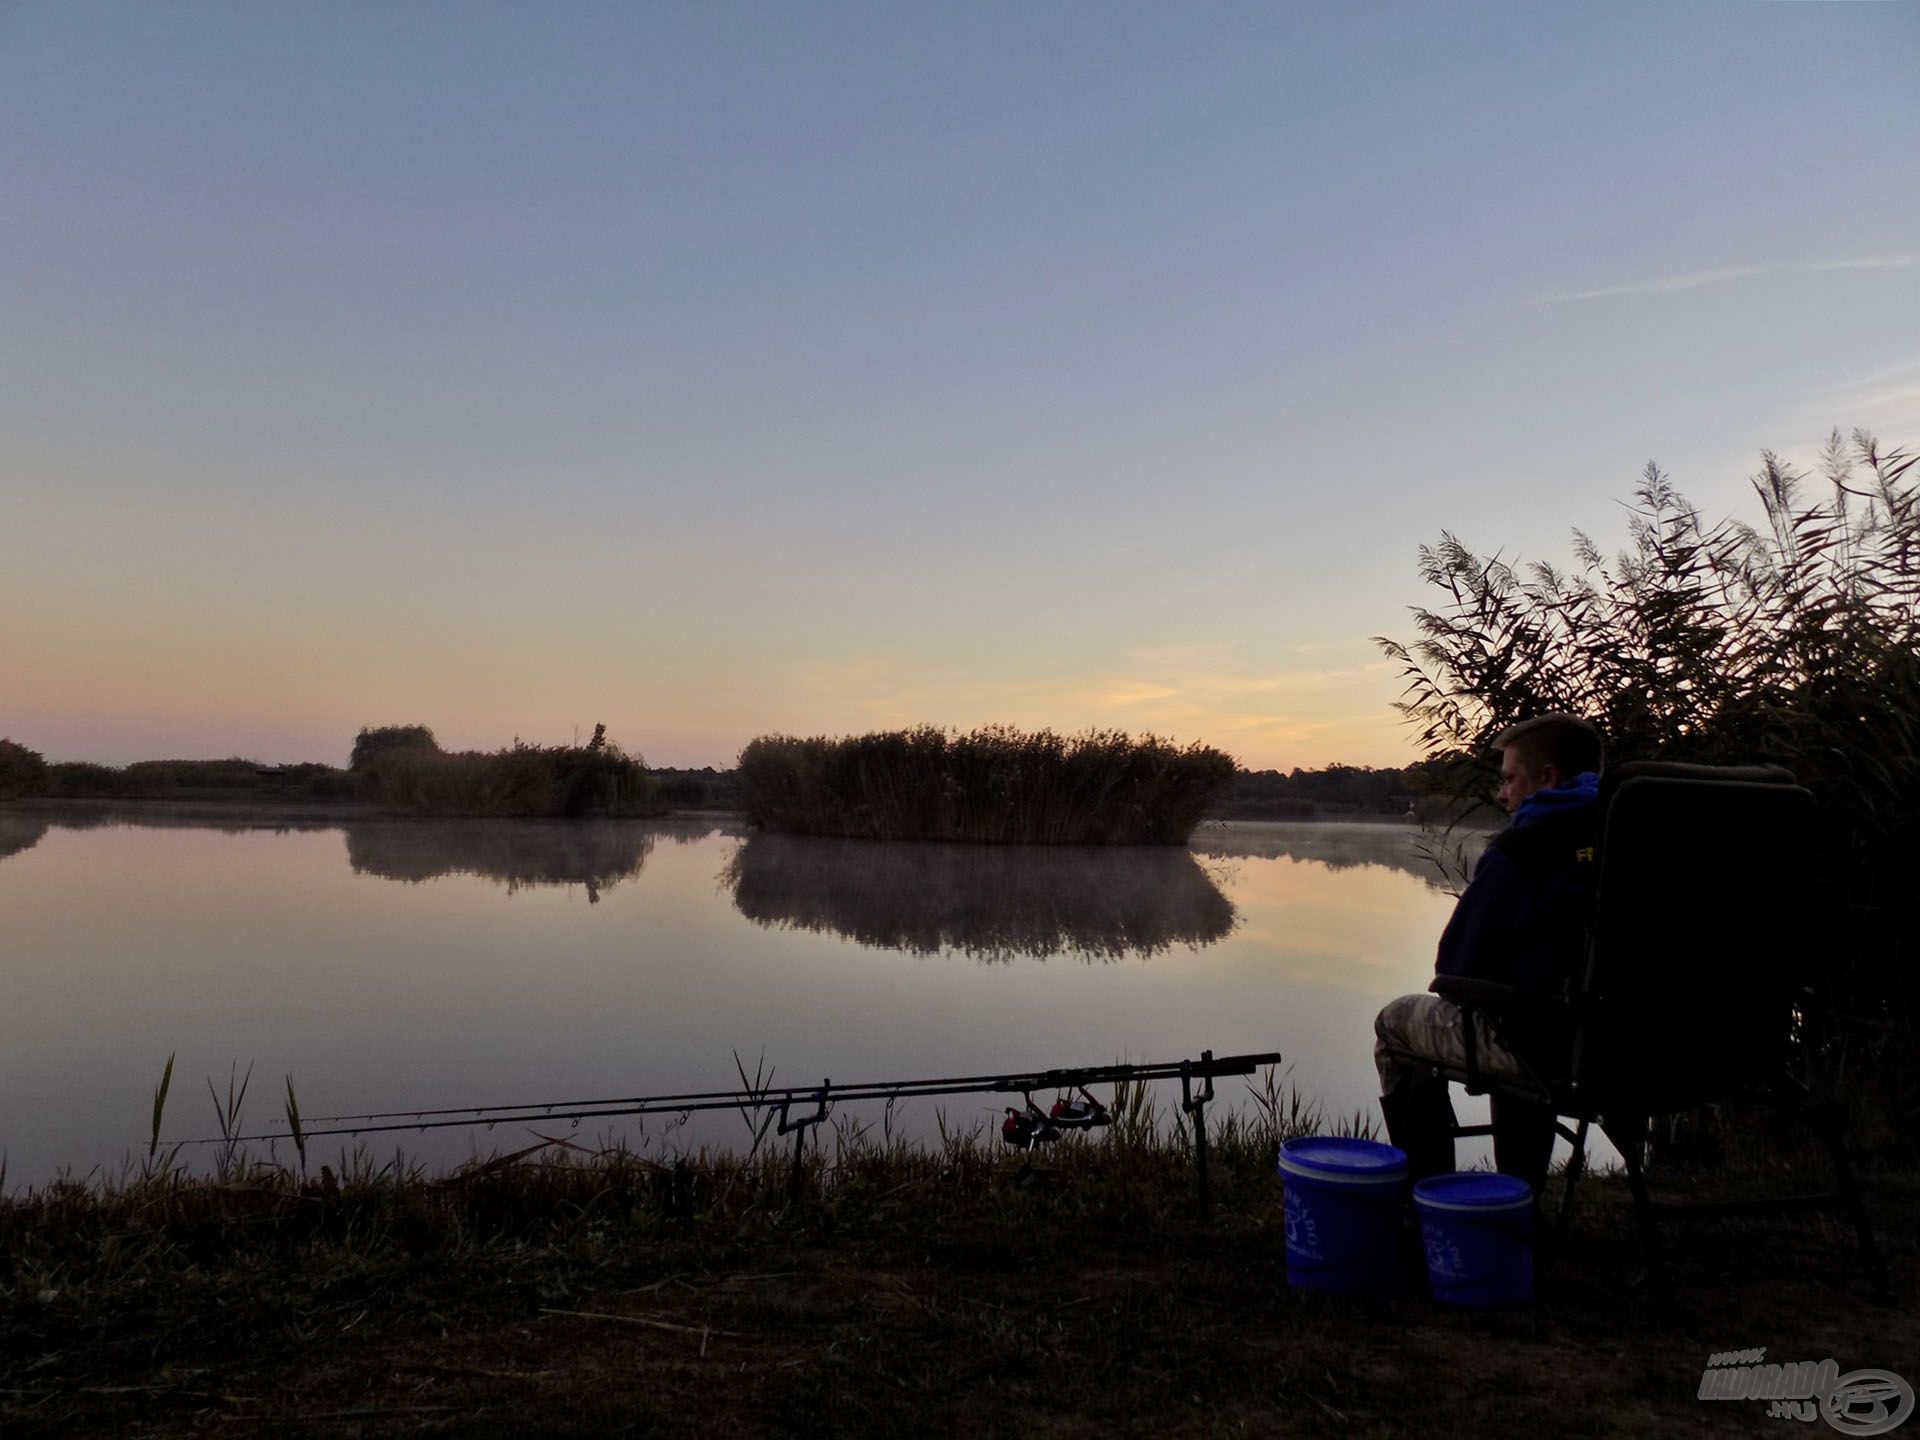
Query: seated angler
[1522, 922]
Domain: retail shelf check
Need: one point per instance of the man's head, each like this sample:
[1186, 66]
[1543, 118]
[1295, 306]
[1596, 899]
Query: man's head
[1543, 753]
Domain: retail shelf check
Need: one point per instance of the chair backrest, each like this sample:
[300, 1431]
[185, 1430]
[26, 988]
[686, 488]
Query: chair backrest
[1700, 933]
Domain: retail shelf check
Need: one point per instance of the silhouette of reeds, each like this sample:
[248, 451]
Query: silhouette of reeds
[996, 784]
[1796, 643]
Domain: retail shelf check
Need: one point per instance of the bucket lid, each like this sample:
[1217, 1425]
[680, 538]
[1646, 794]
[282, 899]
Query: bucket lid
[1336, 1158]
[1475, 1190]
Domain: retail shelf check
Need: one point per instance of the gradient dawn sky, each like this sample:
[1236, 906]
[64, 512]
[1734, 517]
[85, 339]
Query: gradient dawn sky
[715, 369]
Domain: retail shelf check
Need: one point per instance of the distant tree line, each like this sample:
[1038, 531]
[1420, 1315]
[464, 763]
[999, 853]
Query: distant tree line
[399, 768]
[1335, 792]
[24, 774]
[389, 766]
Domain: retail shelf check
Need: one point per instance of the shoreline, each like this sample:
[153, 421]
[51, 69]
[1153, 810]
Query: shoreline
[270, 809]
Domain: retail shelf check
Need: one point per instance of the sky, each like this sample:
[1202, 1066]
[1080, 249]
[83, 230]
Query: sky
[715, 370]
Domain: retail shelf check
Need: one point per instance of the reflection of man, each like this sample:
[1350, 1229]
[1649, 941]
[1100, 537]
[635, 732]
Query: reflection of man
[1521, 922]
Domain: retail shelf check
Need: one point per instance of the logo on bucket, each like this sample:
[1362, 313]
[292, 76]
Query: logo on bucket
[1444, 1260]
[1303, 1231]
[1860, 1402]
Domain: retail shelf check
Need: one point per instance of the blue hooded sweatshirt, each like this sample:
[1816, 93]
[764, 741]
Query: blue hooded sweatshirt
[1523, 919]
[1583, 792]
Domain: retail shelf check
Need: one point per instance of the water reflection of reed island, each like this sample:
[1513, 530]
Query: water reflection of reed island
[991, 903]
[19, 832]
[597, 854]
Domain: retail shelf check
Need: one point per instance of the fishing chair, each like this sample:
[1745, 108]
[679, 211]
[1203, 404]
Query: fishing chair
[1691, 986]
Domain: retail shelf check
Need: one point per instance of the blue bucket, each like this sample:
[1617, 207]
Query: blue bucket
[1343, 1206]
[1478, 1230]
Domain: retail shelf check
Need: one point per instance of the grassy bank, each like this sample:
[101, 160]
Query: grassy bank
[959, 1289]
[998, 785]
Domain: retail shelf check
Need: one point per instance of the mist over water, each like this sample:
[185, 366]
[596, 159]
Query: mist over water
[399, 963]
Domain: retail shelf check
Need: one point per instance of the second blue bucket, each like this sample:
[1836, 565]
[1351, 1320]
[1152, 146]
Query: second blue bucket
[1343, 1206]
[1478, 1229]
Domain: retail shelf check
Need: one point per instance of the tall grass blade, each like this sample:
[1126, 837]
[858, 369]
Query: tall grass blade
[293, 1124]
[160, 1105]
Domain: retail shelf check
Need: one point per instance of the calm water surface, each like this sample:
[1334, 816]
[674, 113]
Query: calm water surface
[393, 963]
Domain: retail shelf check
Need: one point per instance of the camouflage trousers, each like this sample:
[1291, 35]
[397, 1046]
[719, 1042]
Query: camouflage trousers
[1415, 1033]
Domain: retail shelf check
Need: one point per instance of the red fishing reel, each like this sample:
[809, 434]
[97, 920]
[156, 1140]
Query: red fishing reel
[1027, 1127]
[1024, 1129]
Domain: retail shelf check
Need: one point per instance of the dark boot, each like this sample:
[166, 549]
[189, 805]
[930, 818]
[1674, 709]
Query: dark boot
[1420, 1121]
[1522, 1140]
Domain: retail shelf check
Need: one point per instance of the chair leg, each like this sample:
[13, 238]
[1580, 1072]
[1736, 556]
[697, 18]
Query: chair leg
[1420, 1121]
[1825, 1119]
[1630, 1139]
[1523, 1132]
[1576, 1164]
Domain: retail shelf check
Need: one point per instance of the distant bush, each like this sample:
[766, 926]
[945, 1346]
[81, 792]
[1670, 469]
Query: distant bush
[22, 771]
[233, 779]
[522, 780]
[996, 785]
[201, 776]
[702, 789]
[83, 780]
[309, 781]
[374, 741]
[1339, 791]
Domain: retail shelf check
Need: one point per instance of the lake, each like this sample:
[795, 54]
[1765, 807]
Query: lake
[390, 963]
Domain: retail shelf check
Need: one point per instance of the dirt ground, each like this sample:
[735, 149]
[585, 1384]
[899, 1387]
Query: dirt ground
[1010, 1316]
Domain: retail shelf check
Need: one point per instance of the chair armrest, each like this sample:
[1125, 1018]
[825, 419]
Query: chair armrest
[1465, 990]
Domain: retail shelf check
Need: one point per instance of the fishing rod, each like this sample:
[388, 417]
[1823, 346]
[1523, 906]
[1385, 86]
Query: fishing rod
[1060, 1078]
[1025, 1127]
[777, 1097]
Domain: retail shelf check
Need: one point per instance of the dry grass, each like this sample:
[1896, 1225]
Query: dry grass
[963, 1287]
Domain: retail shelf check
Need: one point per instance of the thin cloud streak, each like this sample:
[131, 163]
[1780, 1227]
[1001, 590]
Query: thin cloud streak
[1698, 279]
[1886, 399]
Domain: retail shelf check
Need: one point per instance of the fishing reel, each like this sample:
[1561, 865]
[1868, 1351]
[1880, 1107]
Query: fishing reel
[1027, 1127]
[1085, 1113]
[1024, 1129]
